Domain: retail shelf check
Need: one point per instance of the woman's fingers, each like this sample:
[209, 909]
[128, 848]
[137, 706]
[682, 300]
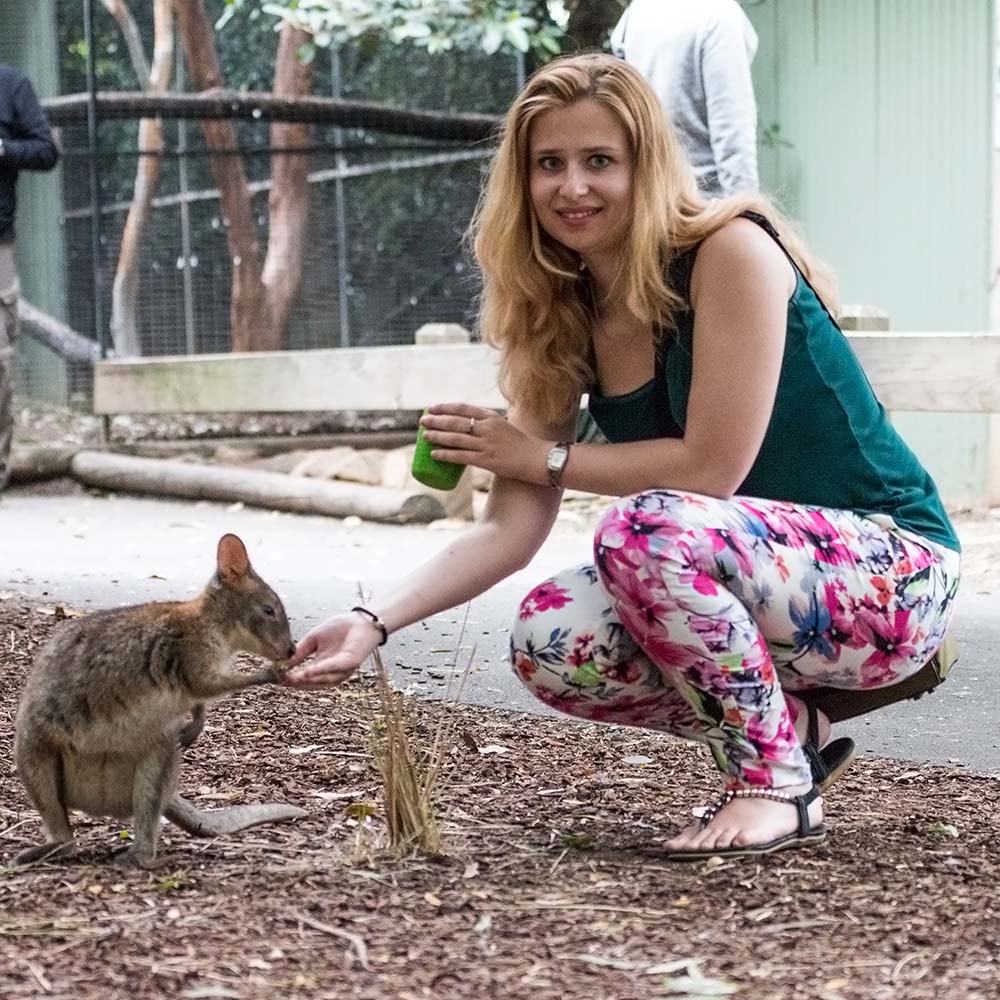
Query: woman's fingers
[303, 650]
[324, 673]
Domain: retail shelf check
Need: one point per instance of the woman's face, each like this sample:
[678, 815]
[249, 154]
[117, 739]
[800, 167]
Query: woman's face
[580, 178]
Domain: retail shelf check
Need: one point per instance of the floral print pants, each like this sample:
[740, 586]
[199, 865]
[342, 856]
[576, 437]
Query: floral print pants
[698, 614]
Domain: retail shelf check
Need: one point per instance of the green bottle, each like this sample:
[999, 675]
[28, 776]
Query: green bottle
[429, 471]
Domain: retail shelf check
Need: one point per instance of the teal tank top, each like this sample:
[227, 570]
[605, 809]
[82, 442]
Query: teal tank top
[829, 442]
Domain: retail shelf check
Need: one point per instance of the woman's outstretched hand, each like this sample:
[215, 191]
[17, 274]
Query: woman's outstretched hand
[337, 647]
[472, 435]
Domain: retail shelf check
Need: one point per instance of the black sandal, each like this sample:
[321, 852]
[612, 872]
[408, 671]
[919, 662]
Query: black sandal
[830, 762]
[805, 834]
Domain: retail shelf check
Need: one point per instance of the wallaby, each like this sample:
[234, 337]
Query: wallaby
[106, 705]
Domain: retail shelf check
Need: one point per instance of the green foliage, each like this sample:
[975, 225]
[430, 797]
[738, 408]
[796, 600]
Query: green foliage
[490, 26]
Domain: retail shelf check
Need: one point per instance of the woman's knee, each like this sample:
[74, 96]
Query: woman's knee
[566, 642]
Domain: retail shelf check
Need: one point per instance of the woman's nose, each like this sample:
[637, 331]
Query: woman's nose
[574, 182]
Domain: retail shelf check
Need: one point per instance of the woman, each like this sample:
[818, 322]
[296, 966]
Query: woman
[774, 532]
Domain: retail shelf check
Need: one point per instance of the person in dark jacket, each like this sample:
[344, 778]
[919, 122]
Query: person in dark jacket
[26, 143]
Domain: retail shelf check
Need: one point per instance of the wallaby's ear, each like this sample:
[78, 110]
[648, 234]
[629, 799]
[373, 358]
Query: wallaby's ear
[231, 558]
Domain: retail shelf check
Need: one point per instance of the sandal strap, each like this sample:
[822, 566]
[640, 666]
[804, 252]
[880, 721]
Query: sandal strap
[801, 803]
[812, 726]
[811, 747]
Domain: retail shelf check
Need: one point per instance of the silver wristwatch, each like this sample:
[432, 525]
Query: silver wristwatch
[556, 462]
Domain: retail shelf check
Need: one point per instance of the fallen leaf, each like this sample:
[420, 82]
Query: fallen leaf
[471, 870]
[607, 963]
[483, 924]
[493, 748]
[360, 810]
[943, 830]
[695, 986]
[637, 759]
[432, 899]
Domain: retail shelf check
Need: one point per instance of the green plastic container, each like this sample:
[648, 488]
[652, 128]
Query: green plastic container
[429, 471]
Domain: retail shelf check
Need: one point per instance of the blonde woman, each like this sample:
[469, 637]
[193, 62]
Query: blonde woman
[773, 533]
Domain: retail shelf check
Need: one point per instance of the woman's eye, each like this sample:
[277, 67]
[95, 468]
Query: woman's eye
[600, 161]
[549, 163]
[268, 611]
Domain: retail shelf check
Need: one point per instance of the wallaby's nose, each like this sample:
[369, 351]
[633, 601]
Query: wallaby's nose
[291, 651]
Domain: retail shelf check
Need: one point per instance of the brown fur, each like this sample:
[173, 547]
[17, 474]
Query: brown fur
[108, 700]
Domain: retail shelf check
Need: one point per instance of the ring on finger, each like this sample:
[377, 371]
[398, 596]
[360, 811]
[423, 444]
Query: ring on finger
[472, 425]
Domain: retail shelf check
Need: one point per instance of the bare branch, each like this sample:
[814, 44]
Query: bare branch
[119, 10]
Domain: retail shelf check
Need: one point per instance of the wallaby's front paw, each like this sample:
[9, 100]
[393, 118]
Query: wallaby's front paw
[277, 673]
[189, 734]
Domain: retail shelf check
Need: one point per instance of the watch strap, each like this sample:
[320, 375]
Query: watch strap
[556, 464]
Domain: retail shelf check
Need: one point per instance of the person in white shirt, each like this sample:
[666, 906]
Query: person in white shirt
[696, 54]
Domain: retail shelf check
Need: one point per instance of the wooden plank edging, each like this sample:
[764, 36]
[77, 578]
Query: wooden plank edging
[942, 372]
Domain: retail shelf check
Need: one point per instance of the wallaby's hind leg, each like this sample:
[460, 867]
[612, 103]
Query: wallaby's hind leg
[154, 782]
[40, 769]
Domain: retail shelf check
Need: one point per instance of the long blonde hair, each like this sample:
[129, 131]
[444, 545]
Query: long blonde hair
[534, 304]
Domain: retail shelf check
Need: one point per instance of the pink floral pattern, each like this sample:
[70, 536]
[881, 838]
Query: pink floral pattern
[699, 613]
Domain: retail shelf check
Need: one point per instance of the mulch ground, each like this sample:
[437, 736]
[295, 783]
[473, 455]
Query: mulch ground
[549, 886]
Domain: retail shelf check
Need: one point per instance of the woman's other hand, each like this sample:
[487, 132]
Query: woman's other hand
[472, 435]
[337, 647]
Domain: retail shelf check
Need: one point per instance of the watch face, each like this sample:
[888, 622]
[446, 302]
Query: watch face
[557, 458]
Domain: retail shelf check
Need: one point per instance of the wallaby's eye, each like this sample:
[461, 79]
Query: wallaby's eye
[268, 611]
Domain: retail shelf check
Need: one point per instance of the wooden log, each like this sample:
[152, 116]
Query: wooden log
[265, 445]
[258, 489]
[30, 463]
[68, 109]
[56, 335]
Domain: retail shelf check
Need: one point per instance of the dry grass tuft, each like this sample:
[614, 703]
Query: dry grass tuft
[408, 775]
[410, 772]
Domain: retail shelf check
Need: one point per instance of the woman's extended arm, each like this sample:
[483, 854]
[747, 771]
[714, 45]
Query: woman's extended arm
[517, 520]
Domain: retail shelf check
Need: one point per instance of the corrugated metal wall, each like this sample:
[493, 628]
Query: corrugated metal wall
[28, 41]
[888, 109]
[887, 105]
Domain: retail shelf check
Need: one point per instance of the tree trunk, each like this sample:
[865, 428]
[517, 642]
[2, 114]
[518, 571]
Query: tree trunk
[124, 292]
[591, 21]
[249, 320]
[289, 201]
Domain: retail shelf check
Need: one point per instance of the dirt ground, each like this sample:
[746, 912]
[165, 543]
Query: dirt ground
[550, 884]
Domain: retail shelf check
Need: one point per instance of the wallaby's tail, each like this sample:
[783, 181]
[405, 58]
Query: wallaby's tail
[219, 822]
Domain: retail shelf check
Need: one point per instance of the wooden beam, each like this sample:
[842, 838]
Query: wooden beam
[944, 372]
[940, 372]
[354, 378]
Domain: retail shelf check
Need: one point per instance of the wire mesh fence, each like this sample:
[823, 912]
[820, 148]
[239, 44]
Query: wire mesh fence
[384, 243]
[383, 239]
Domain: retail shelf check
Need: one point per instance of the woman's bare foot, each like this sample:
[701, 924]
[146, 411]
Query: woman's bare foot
[747, 822]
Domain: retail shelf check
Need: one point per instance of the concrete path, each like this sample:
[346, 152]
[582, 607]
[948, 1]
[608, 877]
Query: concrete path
[92, 552]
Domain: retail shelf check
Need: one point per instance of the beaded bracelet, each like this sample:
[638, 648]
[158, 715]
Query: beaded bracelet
[376, 621]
